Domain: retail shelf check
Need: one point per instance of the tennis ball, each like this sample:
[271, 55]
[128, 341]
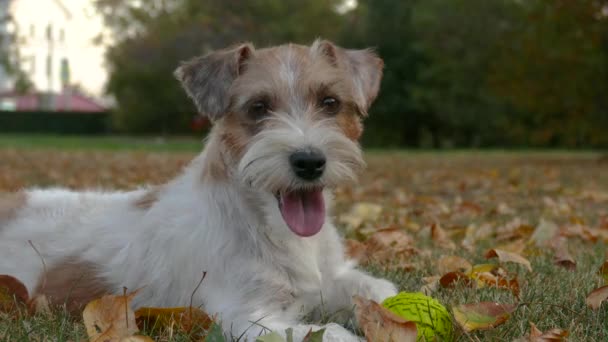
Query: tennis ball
[432, 319]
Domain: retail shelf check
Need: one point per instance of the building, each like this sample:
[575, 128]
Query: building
[4, 30]
[56, 44]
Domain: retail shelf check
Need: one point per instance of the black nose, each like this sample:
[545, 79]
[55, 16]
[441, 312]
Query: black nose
[308, 165]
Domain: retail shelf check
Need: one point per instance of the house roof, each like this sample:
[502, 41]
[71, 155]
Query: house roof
[64, 102]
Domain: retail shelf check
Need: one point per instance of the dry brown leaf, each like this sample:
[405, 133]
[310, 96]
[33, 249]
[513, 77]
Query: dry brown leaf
[379, 324]
[110, 318]
[12, 294]
[388, 246]
[562, 255]
[603, 271]
[355, 250]
[430, 284]
[484, 315]
[440, 237]
[491, 280]
[504, 256]
[453, 263]
[597, 297]
[553, 335]
[452, 279]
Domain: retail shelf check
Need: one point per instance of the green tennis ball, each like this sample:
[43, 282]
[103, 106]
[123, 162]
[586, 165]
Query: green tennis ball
[432, 319]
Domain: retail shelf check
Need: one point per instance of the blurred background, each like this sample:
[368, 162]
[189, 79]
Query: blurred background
[459, 73]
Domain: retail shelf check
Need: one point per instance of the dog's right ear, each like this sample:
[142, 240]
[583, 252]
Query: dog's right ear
[207, 79]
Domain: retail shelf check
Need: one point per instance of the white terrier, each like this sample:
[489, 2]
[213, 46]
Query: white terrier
[252, 210]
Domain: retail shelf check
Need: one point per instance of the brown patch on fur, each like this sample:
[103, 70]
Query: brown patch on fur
[72, 282]
[350, 124]
[214, 169]
[10, 204]
[148, 199]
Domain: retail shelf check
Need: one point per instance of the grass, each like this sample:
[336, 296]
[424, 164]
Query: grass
[459, 189]
[110, 143]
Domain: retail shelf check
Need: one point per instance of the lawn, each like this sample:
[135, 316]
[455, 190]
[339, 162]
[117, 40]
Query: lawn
[442, 204]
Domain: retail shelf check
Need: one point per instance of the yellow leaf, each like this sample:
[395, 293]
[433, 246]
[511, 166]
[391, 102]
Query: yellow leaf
[110, 318]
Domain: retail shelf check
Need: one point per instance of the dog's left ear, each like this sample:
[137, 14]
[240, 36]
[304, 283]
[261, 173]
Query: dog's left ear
[207, 79]
[364, 66]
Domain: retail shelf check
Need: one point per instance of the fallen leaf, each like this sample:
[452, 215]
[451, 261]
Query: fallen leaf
[453, 263]
[360, 213]
[430, 284]
[603, 271]
[562, 255]
[596, 297]
[379, 324]
[553, 335]
[12, 293]
[387, 246]
[452, 279]
[110, 318]
[440, 237]
[355, 250]
[504, 256]
[483, 315]
[488, 279]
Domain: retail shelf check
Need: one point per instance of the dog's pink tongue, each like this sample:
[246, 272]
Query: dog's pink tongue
[303, 211]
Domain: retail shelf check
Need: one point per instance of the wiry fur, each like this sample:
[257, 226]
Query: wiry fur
[221, 215]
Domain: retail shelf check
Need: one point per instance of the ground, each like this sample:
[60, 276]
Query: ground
[444, 203]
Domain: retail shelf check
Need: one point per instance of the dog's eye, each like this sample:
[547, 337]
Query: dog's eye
[330, 104]
[259, 109]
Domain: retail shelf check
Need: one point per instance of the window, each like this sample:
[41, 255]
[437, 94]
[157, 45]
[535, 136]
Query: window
[32, 30]
[33, 64]
[62, 35]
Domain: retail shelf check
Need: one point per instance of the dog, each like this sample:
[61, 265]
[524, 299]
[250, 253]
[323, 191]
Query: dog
[252, 211]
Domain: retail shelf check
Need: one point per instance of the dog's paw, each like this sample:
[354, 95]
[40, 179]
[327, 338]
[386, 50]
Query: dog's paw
[366, 286]
[377, 289]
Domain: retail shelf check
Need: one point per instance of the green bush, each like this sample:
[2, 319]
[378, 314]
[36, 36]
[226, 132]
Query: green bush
[54, 122]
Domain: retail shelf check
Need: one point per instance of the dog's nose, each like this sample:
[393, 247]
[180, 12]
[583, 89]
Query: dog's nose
[308, 165]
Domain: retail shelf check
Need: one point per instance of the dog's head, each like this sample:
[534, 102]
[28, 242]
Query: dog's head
[287, 119]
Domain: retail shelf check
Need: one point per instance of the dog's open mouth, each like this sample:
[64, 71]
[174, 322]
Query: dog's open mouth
[303, 210]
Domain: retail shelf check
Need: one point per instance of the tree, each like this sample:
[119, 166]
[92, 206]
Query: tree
[9, 58]
[152, 38]
[555, 65]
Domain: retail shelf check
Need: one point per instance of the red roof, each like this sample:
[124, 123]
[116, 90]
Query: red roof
[63, 102]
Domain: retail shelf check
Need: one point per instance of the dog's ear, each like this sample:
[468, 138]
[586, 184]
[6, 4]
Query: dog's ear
[208, 78]
[364, 66]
